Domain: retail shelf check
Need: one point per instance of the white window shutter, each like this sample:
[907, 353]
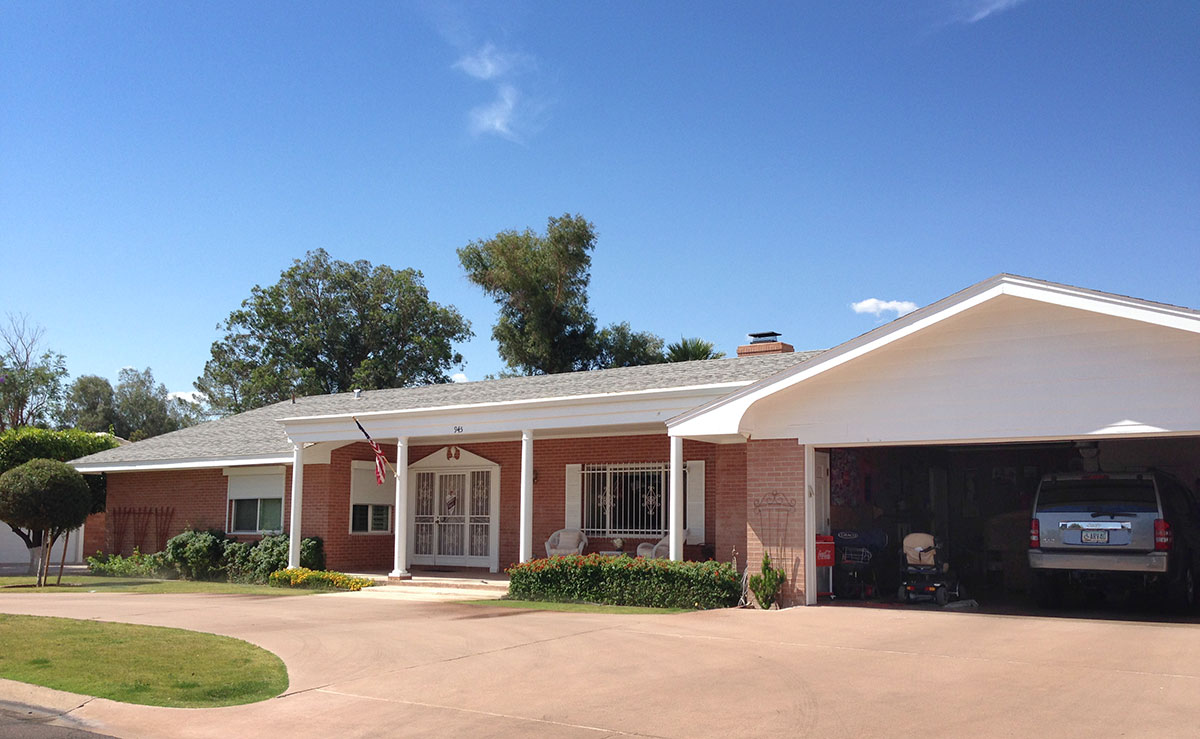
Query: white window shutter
[574, 501]
[695, 502]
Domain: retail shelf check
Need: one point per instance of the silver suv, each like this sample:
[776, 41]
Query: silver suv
[1103, 531]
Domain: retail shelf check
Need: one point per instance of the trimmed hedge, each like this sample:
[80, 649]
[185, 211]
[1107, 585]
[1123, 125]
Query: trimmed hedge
[302, 577]
[626, 581]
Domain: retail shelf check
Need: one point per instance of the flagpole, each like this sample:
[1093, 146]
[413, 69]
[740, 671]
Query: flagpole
[386, 461]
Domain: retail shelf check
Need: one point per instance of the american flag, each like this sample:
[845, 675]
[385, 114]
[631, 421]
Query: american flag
[380, 459]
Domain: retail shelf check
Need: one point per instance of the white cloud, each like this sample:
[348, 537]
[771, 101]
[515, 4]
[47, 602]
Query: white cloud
[973, 11]
[497, 116]
[192, 396]
[877, 307]
[511, 113]
[459, 377]
[489, 63]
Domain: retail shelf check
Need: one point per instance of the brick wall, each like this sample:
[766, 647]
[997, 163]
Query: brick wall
[198, 497]
[775, 510]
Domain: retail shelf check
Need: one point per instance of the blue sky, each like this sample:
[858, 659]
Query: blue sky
[749, 166]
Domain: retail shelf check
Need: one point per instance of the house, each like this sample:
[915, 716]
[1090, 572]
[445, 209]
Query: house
[943, 419]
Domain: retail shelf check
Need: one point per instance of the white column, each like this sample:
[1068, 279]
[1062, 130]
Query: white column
[810, 526]
[297, 504]
[400, 555]
[526, 496]
[675, 530]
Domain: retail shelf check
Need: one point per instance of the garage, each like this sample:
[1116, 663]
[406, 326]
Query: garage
[945, 420]
[976, 501]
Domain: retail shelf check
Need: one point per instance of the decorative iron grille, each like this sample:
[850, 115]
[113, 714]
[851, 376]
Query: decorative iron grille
[625, 499]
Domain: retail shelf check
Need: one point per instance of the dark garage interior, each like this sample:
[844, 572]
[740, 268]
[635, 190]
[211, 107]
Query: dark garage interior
[975, 499]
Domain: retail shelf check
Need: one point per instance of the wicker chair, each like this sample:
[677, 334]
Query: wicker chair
[566, 541]
[659, 550]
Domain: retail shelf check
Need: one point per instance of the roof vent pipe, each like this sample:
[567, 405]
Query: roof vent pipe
[357, 393]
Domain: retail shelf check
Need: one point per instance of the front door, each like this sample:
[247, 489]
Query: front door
[452, 521]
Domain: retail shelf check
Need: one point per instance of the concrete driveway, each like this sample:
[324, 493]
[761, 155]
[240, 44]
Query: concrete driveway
[372, 667]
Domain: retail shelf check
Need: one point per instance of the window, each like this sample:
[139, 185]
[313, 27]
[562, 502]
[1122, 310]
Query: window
[370, 518]
[252, 515]
[371, 504]
[255, 500]
[626, 499]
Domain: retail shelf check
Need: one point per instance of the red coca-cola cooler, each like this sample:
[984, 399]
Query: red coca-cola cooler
[824, 551]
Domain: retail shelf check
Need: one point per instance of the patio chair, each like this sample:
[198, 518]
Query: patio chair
[566, 541]
[659, 550]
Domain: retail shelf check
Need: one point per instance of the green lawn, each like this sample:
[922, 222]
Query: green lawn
[150, 665]
[543, 605]
[100, 584]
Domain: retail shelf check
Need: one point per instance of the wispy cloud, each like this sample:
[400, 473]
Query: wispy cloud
[497, 116]
[192, 396]
[877, 307]
[459, 377]
[489, 63]
[511, 113]
[973, 11]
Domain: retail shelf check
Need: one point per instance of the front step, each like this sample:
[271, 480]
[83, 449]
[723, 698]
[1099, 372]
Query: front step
[448, 583]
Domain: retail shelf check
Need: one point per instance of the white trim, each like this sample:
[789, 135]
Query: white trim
[810, 526]
[557, 399]
[723, 415]
[184, 464]
[277, 469]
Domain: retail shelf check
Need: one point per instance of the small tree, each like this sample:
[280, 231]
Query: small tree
[767, 585]
[18, 446]
[44, 495]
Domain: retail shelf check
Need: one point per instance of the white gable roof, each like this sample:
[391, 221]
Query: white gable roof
[723, 418]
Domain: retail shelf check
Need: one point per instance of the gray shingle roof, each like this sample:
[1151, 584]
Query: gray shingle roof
[258, 432]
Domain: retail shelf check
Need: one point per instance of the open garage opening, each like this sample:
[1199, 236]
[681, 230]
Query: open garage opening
[976, 501]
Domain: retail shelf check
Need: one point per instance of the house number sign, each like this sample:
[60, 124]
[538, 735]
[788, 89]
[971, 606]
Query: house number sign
[458, 429]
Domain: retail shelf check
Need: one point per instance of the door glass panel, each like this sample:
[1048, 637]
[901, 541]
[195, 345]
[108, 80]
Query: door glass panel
[425, 494]
[424, 529]
[451, 532]
[481, 510]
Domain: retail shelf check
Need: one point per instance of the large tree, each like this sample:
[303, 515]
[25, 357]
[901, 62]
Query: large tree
[540, 284]
[31, 377]
[330, 326]
[137, 409]
[89, 405]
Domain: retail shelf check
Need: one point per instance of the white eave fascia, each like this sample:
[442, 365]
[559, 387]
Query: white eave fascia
[190, 463]
[564, 400]
[1023, 287]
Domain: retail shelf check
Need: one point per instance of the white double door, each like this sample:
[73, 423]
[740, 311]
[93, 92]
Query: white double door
[454, 516]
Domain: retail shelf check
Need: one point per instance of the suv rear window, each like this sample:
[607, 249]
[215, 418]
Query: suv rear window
[1103, 495]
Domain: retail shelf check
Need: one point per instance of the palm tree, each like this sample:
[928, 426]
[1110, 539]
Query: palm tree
[687, 350]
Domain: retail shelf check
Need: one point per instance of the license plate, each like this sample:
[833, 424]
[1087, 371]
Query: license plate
[1092, 536]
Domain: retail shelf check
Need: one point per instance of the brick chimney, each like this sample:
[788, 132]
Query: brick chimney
[764, 342]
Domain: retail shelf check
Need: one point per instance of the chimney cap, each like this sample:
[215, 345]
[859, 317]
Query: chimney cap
[763, 337]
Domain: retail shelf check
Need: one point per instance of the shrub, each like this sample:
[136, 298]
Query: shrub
[302, 577]
[626, 581]
[767, 585]
[20, 445]
[197, 555]
[254, 562]
[135, 565]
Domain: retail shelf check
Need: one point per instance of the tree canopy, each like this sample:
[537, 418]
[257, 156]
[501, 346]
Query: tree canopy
[137, 409]
[18, 446]
[31, 377]
[540, 285]
[330, 326]
[45, 496]
[689, 350]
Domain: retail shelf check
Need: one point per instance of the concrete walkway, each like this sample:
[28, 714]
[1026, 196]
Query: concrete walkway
[364, 666]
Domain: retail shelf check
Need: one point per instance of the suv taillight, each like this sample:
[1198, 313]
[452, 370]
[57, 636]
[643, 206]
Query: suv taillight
[1035, 534]
[1162, 535]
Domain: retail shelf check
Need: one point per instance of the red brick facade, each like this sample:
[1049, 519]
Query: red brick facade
[774, 497]
[736, 477]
